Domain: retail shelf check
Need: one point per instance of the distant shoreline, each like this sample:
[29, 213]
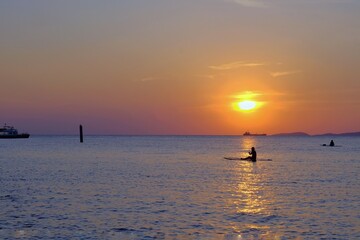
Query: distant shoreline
[303, 134]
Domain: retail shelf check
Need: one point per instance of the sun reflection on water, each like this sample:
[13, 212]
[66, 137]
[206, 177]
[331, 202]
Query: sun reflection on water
[250, 199]
[248, 191]
[248, 142]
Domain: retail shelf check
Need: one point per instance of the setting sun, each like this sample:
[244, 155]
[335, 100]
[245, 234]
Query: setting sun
[246, 105]
[248, 101]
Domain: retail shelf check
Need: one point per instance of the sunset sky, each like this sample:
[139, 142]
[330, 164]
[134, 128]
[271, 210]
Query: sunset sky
[180, 66]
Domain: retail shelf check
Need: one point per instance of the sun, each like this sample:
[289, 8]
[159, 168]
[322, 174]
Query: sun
[247, 102]
[246, 105]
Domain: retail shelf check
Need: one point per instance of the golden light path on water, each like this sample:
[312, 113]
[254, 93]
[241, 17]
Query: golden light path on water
[250, 197]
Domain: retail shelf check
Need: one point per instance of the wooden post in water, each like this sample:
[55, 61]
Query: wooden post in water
[81, 134]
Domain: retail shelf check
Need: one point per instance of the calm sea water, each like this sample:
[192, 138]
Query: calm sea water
[179, 188]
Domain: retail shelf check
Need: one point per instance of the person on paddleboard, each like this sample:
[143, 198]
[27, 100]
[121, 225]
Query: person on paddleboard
[332, 144]
[252, 156]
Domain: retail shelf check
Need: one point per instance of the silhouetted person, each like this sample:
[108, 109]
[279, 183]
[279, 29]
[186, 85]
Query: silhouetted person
[252, 156]
[332, 143]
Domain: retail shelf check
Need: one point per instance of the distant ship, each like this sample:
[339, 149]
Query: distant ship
[11, 132]
[252, 134]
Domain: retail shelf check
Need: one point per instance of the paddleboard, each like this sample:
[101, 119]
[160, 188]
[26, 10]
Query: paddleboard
[239, 159]
[324, 145]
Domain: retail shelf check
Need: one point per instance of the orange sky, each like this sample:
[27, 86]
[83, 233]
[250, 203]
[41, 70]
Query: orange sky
[176, 67]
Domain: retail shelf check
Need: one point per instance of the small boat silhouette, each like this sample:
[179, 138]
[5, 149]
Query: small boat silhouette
[252, 134]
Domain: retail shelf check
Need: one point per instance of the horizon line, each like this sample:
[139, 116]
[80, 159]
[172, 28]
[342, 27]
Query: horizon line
[205, 135]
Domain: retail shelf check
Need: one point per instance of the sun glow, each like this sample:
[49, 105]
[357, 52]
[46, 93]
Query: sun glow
[248, 101]
[246, 105]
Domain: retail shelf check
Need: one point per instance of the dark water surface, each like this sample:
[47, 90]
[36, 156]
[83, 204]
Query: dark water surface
[179, 188]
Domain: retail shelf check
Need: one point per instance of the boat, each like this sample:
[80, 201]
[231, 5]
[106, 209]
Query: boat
[11, 132]
[252, 134]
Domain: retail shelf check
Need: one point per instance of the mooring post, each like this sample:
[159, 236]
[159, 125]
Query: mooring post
[81, 134]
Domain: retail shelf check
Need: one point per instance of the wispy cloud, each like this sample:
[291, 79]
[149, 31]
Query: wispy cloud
[249, 3]
[234, 65]
[205, 76]
[149, 79]
[281, 74]
[247, 95]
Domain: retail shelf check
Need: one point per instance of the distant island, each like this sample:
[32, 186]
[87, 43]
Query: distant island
[294, 134]
[302, 134]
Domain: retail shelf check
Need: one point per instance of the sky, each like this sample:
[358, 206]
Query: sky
[180, 66]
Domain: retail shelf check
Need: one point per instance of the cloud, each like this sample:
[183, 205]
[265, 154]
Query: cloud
[264, 4]
[247, 95]
[281, 74]
[234, 65]
[205, 76]
[149, 79]
[249, 3]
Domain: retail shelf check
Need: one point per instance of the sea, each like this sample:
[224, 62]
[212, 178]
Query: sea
[179, 187]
